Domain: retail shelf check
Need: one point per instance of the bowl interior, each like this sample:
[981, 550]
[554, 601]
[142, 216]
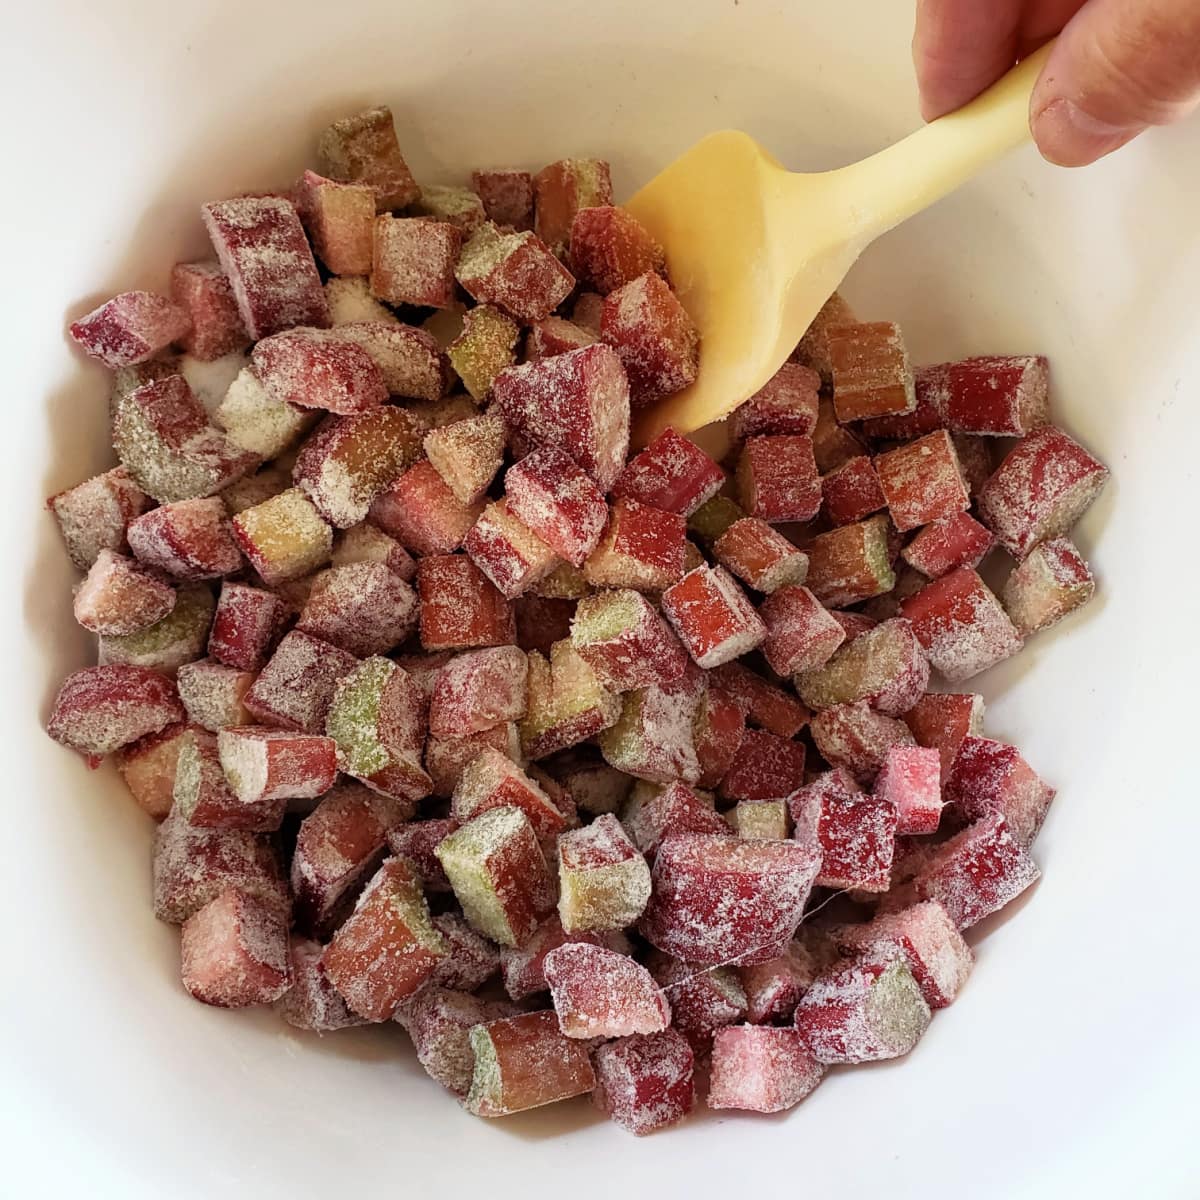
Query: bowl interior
[1036, 1081]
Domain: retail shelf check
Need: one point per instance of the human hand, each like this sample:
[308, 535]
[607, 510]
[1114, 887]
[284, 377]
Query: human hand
[1119, 65]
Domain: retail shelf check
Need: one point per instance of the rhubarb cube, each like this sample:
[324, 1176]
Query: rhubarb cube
[460, 607]
[977, 872]
[777, 478]
[760, 556]
[657, 341]
[493, 781]
[558, 501]
[785, 404]
[765, 767]
[653, 816]
[417, 841]
[485, 347]
[947, 543]
[202, 797]
[119, 596]
[922, 481]
[766, 819]
[411, 361]
[100, 709]
[350, 300]
[801, 633]
[212, 693]
[523, 966]
[413, 261]
[447, 758]
[672, 474]
[262, 249]
[340, 220]
[911, 782]
[759, 1069]
[942, 721]
[470, 959]
[764, 704]
[885, 666]
[652, 739]
[363, 149]
[925, 418]
[507, 196]
[642, 548]
[610, 248]
[131, 328]
[995, 396]
[927, 941]
[852, 492]
[167, 644]
[567, 702]
[246, 622]
[554, 335]
[189, 539]
[273, 764]
[163, 438]
[598, 993]
[872, 376]
[565, 582]
[439, 1021]
[284, 537]
[516, 272]
[499, 874]
[524, 1062]
[561, 190]
[387, 948]
[1040, 490]
[312, 1002]
[367, 544]
[203, 291]
[833, 445]
[719, 899]
[992, 777]
[595, 787]
[507, 551]
[858, 738]
[576, 402]
[813, 348]
[235, 952]
[376, 716]
[93, 515]
[851, 563]
[644, 1083]
[259, 423]
[774, 988]
[348, 462]
[712, 616]
[313, 368]
[295, 688]
[422, 513]
[862, 1013]
[961, 624]
[604, 881]
[364, 609]
[717, 731]
[1051, 582]
[148, 768]
[854, 833]
[701, 1001]
[456, 205]
[468, 454]
[478, 690]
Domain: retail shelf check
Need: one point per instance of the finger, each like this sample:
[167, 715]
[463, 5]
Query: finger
[1118, 67]
[960, 47]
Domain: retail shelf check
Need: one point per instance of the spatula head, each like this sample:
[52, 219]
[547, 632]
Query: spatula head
[753, 252]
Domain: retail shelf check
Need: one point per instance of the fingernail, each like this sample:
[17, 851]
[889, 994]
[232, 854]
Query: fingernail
[1069, 137]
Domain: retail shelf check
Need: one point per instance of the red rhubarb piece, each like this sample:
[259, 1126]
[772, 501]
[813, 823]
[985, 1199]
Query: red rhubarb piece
[777, 478]
[644, 1083]
[130, 328]
[657, 341]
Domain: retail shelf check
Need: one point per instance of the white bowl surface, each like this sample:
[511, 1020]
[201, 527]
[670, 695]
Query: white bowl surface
[1067, 1066]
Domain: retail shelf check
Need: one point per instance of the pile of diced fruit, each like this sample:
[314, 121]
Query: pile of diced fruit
[430, 680]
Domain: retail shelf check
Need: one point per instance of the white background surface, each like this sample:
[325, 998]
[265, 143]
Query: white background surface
[1067, 1068]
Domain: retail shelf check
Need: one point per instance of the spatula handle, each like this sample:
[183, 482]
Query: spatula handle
[889, 187]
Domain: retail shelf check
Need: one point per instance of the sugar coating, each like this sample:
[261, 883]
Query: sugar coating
[765, 767]
[350, 302]
[235, 952]
[262, 249]
[604, 882]
[524, 1062]
[93, 515]
[265, 483]
[468, 454]
[961, 624]
[949, 542]
[166, 645]
[460, 607]
[516, 272]
[413, 261]
[862, 1013]
[712, 616]
[558, 501]
[284, 537]
[777, 478]
[312, 1002]
[595, 787]
[911, 783]
[363, 149]
[658, 343]
[188, 540]
[212, 693]
[857, 737]
[719, 899]
[922, 481]
[786, 403]
[416, 842]
[295, 688]
[773, 988]
[257, 422]
[478, 690]
[209, 379]
[510, 554]
[855, 833]
[130, 328]
[318, 368]
[885, 666]
[119, 596]
[598, 993]
[388, 947]
[439, 1021]
[410, 360]
[100, 709]
[702, 1001]
[363, 608]
[653, 738]
[1050, 583]
[760, 556]
[644, 1083]
[760, 1069]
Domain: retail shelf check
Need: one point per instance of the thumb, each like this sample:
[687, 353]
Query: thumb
[1119, 66]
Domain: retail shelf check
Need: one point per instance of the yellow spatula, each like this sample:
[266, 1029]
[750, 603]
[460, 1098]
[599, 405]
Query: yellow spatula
[755, 250]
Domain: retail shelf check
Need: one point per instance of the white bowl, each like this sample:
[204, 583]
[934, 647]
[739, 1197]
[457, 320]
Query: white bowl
[1066, 1068]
